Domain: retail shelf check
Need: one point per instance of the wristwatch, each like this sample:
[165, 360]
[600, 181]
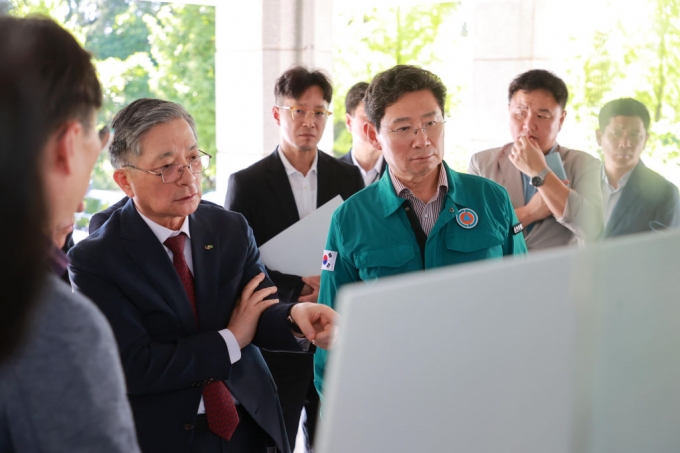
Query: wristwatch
[537, 181]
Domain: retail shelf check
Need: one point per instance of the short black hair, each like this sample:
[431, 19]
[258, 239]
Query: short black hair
[355, 96]
[388, 86]
[295, 81]
[540, 79]
[623, 107]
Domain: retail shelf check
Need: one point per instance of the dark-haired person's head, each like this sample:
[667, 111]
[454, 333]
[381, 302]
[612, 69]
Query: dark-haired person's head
[355, 96]
[623, 132]
[302, 101]
[49, 95]
[355, 117]
[405, 107]
[389, 86]
[157, 161]
[536, 103]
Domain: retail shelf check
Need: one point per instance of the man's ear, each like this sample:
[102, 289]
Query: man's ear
[562, 117]
[121, 177]
[598, 135]
[276, 113]
[61, 149]
[372, 135]
[348, 122]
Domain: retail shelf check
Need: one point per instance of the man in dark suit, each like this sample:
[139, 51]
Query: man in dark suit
[636, 199]
[279, 190]
[368, 159]
[187, 297]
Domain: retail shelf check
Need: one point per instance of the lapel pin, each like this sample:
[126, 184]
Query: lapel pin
[209, 247]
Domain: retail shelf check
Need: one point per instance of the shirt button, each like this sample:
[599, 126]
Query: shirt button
[427, 216]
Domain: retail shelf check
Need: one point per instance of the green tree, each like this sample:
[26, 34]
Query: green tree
[377, 40]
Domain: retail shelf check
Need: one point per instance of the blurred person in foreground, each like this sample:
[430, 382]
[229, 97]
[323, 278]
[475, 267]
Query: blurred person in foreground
[635, 198]
[421, 214]
[62, 390]
[553, 211]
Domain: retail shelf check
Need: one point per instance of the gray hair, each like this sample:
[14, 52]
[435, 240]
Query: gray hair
[135, 120]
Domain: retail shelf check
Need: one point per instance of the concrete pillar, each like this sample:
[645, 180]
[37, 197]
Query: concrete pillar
[255, 42]
[510, 37]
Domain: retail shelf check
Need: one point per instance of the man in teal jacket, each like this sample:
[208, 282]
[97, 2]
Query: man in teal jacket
[421, 214]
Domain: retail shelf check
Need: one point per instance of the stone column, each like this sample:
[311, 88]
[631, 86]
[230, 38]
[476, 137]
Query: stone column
[255, 42]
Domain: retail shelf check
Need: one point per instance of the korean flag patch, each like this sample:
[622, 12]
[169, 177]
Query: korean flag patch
[328, 262]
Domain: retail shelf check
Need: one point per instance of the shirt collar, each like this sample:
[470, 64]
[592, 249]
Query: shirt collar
[400, 188]
[290, 170]
[622, 180]
[163, 233]
[376, 167]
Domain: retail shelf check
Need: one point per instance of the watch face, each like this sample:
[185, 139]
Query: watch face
[536, 181]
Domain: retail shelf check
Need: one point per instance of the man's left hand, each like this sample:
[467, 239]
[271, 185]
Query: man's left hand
[316, 322]
[310, 292]
[527, 157]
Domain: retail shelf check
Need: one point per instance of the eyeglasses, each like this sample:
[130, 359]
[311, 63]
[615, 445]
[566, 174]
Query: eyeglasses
[172, 172]
[299, 113]
[406, 133]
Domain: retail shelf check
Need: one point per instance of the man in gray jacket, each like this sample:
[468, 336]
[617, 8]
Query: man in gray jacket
[62, 388]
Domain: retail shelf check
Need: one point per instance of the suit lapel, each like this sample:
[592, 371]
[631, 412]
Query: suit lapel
[510, 178]
[205, 252]
[280, 187]
[630, 195]
[145, 249]
[325, 180]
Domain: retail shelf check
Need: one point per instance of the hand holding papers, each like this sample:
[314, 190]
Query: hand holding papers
[298, 249]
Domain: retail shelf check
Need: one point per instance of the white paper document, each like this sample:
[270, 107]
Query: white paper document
[298, 249]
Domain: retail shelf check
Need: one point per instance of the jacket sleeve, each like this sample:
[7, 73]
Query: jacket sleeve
[514, 243]
[670, 213]
[583, 211]
[341, 272]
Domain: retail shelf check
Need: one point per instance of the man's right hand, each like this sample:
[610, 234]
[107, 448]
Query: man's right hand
[249, 307]
[534, 211]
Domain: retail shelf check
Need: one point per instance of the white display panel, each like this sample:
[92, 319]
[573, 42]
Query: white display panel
[574, 350]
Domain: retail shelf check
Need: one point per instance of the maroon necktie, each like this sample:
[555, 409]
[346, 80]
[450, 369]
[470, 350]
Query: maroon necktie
[219, 405]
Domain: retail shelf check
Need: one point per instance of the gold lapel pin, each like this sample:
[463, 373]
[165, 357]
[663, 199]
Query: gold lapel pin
[208, 247]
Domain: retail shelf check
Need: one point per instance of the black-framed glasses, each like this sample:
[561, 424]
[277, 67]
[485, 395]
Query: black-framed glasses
[405, 133]
[173, 172]
[300, 113]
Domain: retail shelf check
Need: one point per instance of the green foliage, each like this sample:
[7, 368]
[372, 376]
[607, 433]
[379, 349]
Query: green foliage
[143, 49]
[375, 41]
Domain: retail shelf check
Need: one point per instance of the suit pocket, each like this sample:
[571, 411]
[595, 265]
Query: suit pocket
[373, 264]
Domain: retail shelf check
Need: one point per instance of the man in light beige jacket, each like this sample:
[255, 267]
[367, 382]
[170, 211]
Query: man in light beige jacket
[555, 209]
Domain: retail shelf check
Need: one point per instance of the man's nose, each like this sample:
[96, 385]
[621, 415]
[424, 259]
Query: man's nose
[420, 139]
[308, 120]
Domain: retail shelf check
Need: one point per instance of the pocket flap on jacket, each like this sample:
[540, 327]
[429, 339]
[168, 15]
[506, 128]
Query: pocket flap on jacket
[471, 240]
[392, 257]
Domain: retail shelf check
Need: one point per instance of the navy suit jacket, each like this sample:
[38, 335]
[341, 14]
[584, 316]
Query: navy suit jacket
[347, 158]
[166, 356]
[262, 193]
[648, 202]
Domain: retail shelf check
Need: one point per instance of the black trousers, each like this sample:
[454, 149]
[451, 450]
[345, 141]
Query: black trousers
[294, 377]
[248, 437]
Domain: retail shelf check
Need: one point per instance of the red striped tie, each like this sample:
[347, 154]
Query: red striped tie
[219, 405]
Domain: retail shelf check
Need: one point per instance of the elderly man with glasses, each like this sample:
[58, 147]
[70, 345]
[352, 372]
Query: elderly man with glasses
[421, 214]
[187, 296]
[279, 190]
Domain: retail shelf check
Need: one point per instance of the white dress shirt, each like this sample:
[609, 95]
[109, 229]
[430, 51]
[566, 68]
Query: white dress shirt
[304, 187]
[163, 234]
[371, 175]
[610, 195]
